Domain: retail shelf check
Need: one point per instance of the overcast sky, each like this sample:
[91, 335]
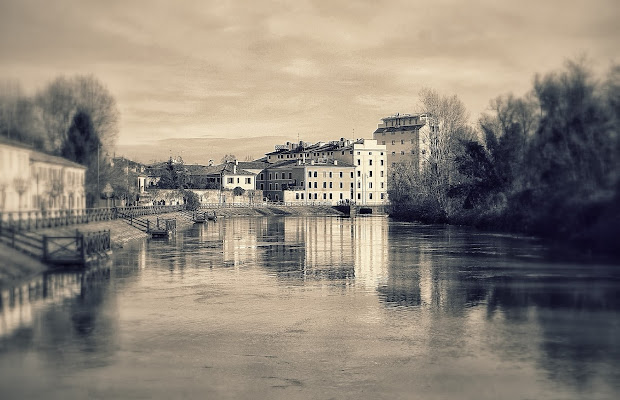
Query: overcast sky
[317, 69]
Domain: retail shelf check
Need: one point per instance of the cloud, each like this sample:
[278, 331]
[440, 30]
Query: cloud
[317, 68]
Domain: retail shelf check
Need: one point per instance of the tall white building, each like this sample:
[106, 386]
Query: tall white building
[365, 155]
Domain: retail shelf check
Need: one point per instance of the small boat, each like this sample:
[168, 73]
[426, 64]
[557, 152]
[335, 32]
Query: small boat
[200, 218]
[211, 216]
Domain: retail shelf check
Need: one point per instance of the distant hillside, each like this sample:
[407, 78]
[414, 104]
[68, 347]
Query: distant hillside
[200, 150]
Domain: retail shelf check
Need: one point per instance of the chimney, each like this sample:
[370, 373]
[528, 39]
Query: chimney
[311, 162]
[335, 162]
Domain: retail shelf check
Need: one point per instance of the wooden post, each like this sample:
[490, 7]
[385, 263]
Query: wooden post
[45, 249]
[83, 248]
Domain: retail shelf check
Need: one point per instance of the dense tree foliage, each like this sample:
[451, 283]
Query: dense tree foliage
[548, 164]
[173, 176]
[72, 117]
[192, 201]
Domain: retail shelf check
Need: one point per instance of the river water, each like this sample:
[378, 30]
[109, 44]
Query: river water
[317, 308]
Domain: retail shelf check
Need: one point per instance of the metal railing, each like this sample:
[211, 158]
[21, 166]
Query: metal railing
[36, 219]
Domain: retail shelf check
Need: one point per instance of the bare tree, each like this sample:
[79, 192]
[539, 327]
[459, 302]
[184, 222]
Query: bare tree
[447, 120]
[228, 158]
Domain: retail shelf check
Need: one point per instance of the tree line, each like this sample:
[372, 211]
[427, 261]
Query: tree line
[546, 163]
[75, 117]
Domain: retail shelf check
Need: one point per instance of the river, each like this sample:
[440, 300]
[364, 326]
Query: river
[317, 308]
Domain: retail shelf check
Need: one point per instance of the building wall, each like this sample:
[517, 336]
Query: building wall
[405, 137]
[246, 182]
[370, 161]
[43, 185]
[14, 164]
[57, 187]
[309, 182]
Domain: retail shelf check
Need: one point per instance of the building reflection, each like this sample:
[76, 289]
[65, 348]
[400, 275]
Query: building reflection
[349, 251]
[65, 315]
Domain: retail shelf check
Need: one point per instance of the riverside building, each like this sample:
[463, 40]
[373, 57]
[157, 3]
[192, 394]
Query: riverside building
[405, 137]
[363, 159]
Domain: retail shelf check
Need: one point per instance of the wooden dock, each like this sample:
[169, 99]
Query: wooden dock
[79, 250]
[163, 229]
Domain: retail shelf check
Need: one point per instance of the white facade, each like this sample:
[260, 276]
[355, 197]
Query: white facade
[370, 161]
[31, 180]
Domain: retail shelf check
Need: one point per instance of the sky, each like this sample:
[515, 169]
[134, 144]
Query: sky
[313, 70]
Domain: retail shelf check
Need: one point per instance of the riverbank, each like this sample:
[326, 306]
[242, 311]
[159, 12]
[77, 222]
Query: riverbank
[16, 266]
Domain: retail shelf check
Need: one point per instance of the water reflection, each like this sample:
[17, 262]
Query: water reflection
[63, 315]
[383, 301]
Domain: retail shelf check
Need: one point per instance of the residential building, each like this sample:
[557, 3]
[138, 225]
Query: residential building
[32, 180]
[306, 181]
[405, 137]
[366, 156]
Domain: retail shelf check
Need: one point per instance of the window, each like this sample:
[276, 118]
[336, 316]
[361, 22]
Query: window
[315, 185]
[359, 196]
[230, 180]
[270, 176]
[369, 162]
[358, 153]
[381, 162]
[315, 175]
[340, 185]
[296, 196]
[302, 196]
[309, 174]
[341, 174]
[359, 173]
[381, 185]
[309, 185]
[402, 153]
[324, 196]
[270, 186]
[381, 174]
[290, 175]
[359, 185]
[330, 185]
[237, 180]
[393, 141]
[369, 185]
[370, 196]
[382, 196]
[330, 196]
[370, 153]
[248, 181]
[315, 196]
[381, 153]
[359, 162]
[393, 153]
[370, 173]
[340, 196]
[276, 186]
[262, 178]
[330, 174]
[351, 174]
[262, 186]
[402, 142]
[324, 185]
[383, 142]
